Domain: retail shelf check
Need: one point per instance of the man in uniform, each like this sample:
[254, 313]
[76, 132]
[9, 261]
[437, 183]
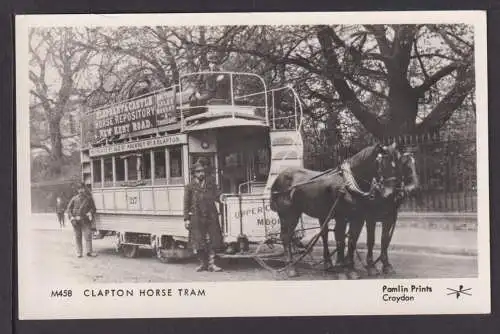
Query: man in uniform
[201, 217]
[81, 210]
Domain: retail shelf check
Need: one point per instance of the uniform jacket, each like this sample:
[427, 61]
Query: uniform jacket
[80, 205]
[200, 209]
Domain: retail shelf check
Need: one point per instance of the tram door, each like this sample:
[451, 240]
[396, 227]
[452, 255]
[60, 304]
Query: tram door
[233, 171]
[242, 162]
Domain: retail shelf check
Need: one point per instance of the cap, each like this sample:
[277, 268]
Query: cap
[201, 163]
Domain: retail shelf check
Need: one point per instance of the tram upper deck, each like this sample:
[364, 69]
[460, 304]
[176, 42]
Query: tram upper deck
[136, 153]
[232, 99]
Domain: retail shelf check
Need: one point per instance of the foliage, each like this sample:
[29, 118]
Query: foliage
[357, 82]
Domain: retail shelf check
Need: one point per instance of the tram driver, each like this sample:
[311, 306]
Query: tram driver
[201, 217]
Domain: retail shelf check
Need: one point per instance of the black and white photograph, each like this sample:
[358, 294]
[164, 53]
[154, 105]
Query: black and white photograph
[168, 163]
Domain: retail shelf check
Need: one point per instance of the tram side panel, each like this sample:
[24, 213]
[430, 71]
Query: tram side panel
[149, 210]
[251, 217]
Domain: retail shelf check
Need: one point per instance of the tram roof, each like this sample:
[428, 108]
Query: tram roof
[226, 122]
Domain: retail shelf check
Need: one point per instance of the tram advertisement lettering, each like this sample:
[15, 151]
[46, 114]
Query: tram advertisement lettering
[257, 217]
[139, 145]
[126, 117]
[165, 108]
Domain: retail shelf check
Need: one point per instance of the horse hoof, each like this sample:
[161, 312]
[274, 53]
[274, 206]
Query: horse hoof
[292, 273]
[372, 271]
[388, 269]
[338, 268]
[352, 274]
[329, 267]
[342, 276]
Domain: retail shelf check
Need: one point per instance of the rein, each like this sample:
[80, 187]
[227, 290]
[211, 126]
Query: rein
[313, 179]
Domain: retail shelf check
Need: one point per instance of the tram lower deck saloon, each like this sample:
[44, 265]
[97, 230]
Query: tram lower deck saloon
[138, 180]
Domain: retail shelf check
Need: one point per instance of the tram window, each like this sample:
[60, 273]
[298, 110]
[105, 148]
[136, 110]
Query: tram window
[146, 166]
[96, 170]
[120, 169]
[175, 158]
[132, 167]
[108, 172]
[160, 170]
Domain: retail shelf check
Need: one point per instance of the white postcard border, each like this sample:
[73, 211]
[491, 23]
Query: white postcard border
[269, 298]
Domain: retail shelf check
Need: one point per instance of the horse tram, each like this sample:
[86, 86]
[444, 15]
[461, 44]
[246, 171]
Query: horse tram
[136, 156]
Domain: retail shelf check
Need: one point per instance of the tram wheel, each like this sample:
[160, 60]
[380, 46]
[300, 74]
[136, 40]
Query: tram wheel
[163, 258]
[130, 251]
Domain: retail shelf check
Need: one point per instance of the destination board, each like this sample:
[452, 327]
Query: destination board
[139, 145]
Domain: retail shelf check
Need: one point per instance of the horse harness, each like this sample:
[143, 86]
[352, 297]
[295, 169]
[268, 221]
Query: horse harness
[376, 184]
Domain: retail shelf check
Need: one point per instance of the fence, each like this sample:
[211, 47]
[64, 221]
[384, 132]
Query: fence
[446, 166]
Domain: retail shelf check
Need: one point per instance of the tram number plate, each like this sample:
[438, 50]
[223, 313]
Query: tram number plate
[133, 201]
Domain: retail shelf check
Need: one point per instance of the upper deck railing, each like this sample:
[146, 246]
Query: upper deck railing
[225, 88]
[242, 94]
[235, 92]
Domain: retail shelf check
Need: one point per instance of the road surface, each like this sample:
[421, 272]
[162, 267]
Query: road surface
[50, 255]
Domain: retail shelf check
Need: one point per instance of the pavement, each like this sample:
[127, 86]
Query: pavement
[409, 236]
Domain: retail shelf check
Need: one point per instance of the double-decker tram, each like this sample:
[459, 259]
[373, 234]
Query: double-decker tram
[136, 157]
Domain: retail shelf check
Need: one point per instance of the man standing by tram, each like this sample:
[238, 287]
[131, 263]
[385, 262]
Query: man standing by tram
[201, 217]
[81, 211]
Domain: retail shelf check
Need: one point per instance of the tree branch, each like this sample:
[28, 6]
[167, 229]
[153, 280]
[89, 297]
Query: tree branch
[365, 87]
[420, 62]
[433, 79]
[378, 32]
[445, 108]
[42, 146]
[348, 96]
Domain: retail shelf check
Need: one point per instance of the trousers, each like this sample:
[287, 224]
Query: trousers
[60, 218]
[82, 228]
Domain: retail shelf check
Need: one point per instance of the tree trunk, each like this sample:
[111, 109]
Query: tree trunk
[56, 144]
[403, 108]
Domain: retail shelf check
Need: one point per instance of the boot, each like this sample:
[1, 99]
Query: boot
[211, 263]
[203, 261]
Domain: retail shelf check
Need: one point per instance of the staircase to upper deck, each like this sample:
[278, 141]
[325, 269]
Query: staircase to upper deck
[286, 151]
[287, 148]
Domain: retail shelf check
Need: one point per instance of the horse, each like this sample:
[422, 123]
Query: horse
[339, 193]
[386, 211]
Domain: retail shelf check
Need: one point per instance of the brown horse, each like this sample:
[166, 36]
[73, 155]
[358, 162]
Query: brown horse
[359, 181]
[386, 211]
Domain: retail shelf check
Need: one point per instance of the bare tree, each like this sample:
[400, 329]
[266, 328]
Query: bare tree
[55, 65]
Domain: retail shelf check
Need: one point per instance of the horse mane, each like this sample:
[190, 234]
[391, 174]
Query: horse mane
[362, 156]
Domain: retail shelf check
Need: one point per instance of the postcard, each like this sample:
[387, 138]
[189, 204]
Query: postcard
[252, 164]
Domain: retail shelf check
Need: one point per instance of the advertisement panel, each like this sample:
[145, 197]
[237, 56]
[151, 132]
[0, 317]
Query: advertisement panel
[165, 107]
[126, 117]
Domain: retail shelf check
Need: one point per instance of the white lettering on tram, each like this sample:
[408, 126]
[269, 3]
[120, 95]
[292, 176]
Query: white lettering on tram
[139, 145]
